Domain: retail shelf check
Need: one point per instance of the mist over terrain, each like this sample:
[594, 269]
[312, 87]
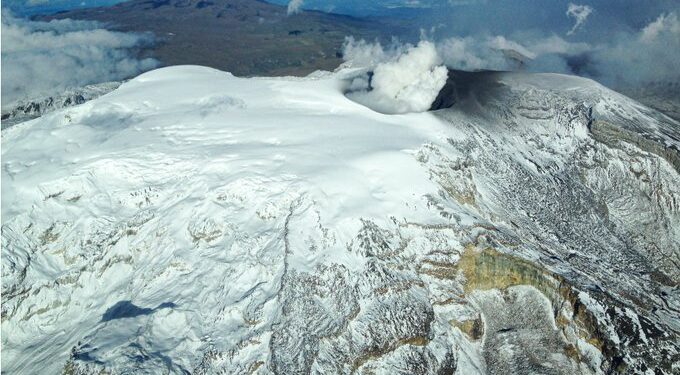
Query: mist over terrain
[656, 47]
[46, 58]
[593, 39]
[619, 43]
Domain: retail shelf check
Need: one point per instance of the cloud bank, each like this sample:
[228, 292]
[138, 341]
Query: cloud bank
[46, 58]
[580, 14]
[628, 59]
[404, 79]
[649, 56]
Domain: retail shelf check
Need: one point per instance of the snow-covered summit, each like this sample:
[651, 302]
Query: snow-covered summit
[193, 221]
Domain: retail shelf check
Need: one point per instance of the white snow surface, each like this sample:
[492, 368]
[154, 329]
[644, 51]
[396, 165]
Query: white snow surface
[206, 158]
[193, 221]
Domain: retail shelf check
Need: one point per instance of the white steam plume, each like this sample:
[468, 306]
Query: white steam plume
[294, 6]
[401, 82]
[580, 14]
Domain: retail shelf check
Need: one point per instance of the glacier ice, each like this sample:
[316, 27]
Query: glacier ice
[193, 221]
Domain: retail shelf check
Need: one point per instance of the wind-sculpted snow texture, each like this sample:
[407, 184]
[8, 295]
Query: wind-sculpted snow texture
[194, 222]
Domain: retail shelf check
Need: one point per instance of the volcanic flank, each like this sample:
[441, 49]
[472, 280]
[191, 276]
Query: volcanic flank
[192, 221]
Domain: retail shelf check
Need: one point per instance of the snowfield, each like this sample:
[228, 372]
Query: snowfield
[195, 222]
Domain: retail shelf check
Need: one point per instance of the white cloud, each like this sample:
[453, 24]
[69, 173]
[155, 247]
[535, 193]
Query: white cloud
[556, 45]
[359, 53]
[503, 44]
[294, 6]
[665, 25]
[501, 53]
[45, 58]
[471, 54]
[405, 79]
[650, 55]
[535, 53]
[580, 14]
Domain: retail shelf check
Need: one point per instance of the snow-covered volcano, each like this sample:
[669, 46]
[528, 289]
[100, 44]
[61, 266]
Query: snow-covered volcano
[195, 222]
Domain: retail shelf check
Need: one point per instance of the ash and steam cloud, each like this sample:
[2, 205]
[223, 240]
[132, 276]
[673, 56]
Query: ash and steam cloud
[628, 58]
[404, 79]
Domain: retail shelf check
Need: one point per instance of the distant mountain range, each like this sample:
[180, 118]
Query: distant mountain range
[245, 37]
